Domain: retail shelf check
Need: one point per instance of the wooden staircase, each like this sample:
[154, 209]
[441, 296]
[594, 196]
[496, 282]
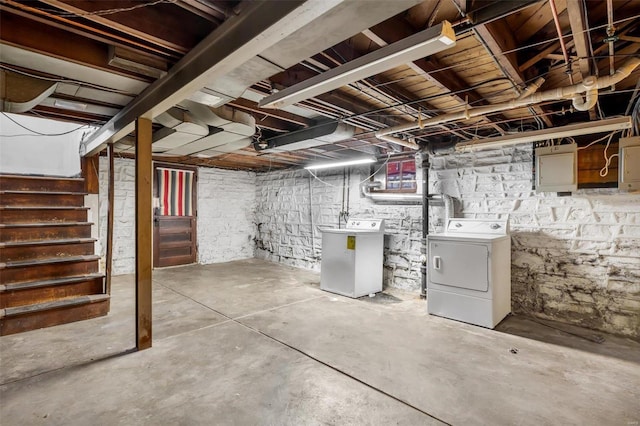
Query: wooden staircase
[48, 270]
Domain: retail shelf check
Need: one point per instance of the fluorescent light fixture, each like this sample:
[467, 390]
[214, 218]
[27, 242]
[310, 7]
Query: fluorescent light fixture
[76, 106]
[341, 164]
[424, 43]
[608, 125]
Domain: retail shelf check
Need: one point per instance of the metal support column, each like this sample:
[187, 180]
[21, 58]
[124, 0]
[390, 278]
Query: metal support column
[110, 209]
[425, 223]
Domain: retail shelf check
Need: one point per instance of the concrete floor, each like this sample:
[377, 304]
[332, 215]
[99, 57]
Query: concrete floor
[251, 342]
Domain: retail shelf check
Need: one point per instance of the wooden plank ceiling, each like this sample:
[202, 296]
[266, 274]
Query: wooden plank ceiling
[501, 48]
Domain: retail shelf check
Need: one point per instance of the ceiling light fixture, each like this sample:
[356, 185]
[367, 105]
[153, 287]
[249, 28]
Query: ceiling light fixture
[341, 164]
[578, 129]
[73, 105]
[424, 43]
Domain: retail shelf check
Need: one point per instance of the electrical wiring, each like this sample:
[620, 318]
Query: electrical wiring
[610, 135]
[550, 40]
[104, 12]
[36, 133]
[607, 160]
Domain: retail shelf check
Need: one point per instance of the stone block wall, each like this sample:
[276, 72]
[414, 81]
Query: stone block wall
[226, 209]
[291, 205]
[226, 206]
[124, 220]
[574, 258]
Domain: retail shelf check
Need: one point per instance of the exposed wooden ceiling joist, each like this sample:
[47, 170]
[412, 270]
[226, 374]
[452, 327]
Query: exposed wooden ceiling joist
[161, 25]
[498, 39]
[393, 30]
[576, 13]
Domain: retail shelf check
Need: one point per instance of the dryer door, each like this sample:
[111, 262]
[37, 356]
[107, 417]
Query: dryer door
[462, 265]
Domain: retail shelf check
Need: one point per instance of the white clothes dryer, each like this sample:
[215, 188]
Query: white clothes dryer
[469, 271]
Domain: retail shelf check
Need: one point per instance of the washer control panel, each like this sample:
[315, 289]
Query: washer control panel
[478, 226]
[373, 225]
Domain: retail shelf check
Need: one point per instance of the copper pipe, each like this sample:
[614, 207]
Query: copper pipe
[556, 20]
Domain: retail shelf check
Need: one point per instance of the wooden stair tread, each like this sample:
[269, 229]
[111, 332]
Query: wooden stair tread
[40, 177]
[47, 283]
[47, 242]
[66, 259]
[13, 191]
[42, 224]
[43, 208]
[56, 304]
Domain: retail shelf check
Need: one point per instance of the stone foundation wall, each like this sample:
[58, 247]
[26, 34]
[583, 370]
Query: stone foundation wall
[574, 258]
[225, 226]
[291, 205]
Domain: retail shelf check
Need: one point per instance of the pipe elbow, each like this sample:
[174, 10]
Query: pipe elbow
[588, 102]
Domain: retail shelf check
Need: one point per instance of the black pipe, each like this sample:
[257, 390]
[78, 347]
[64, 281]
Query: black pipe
[425, 223]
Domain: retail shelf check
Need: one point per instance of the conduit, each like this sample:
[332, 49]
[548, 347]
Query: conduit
[590, 85]
[386, 197]
[423, 199]
[563, 45]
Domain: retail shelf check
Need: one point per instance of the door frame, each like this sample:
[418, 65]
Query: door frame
[194, 200]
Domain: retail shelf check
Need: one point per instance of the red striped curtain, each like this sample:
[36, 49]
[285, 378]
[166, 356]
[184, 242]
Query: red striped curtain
[174, 191]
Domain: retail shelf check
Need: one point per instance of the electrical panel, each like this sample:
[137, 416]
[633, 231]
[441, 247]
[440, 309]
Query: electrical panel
[629, 164]
[557, 168]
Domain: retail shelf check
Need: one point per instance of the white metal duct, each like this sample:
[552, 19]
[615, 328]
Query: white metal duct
[228, 130]
[19, 93]
[339, 23]
[180, 128]
[322, 134]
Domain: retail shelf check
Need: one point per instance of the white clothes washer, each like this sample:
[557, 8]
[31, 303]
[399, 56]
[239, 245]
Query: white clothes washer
[352, 258]
[469, 271]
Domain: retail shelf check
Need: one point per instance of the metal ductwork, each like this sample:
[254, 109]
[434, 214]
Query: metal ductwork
[203, 131]
[19, 93]
[322, 134]
[180, 128]
[231, 131]
[338, 23]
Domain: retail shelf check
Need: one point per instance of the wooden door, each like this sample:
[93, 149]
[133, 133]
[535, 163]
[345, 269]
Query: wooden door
[174, 219]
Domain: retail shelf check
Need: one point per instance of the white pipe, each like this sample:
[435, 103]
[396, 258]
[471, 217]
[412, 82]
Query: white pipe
[398, 141]
[532, 88]
[535, 98]
[591, 98]
[447, 200]
[390, 197]
[448, 205]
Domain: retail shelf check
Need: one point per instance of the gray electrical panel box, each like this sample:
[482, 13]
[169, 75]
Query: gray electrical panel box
[557, 168]
[629, 164]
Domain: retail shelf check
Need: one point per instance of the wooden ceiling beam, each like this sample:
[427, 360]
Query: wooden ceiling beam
[576, 13]
[69, 115]
[202, 10]
[497, 39]
[162, 25]
[19, 31]
[92, 32]
[396, 29]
